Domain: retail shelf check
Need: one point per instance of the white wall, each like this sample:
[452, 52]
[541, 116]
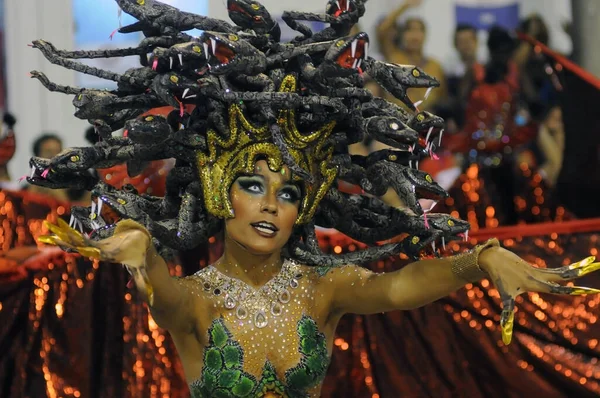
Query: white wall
[35, 108]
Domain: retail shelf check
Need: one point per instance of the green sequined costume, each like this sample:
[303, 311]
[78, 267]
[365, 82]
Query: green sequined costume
[223, 376]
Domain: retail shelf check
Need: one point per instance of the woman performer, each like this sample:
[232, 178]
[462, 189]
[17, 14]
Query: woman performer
[259, 155]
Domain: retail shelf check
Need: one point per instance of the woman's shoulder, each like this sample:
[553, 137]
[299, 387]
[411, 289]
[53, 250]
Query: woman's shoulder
[303, 270]
[201, 282]
[327, 272]
[433, 63]
[398, 57]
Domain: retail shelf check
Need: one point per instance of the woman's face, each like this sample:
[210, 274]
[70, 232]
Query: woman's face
[465, 42]
[265, 206]
[554, 120]
[413, 36]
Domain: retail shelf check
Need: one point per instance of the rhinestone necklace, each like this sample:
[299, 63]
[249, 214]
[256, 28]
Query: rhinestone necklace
[247, 302]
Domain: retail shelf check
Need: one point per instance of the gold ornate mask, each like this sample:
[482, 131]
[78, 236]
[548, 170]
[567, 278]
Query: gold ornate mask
[227, 159]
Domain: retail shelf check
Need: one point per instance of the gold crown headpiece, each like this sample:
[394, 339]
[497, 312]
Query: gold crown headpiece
[228, 158]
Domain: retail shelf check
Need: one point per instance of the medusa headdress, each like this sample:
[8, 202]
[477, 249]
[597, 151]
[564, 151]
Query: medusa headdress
[239, 94]
[227, 158]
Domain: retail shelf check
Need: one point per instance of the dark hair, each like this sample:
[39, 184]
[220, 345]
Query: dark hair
[543, 36]
[37, 144]
[464, 27]
[501, 45]
[501, 41]
[403, 27]
[10, 120]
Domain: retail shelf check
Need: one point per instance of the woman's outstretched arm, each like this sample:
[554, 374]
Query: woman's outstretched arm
[361, 291]
[413, 286]
[170, 302]
[386, 30]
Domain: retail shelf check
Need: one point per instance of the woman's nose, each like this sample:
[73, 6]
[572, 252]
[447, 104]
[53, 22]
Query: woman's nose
[269, 204]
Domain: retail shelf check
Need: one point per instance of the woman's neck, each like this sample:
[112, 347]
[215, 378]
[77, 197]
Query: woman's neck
[416, 57]
[4, 176]
[253, 269]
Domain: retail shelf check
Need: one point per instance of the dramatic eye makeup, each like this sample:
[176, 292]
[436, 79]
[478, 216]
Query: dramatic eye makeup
[252, 184]
[255, 184]
[291, 193]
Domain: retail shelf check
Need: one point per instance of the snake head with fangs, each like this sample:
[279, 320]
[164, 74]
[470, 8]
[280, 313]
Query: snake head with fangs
[227, 53]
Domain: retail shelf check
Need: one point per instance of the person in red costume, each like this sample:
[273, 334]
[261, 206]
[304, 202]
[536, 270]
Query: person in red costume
[495, 188]
[21, 216]
[7, 151]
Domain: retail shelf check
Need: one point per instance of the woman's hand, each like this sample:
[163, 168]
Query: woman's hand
[413, 3]
[128, 246]
[513, 276]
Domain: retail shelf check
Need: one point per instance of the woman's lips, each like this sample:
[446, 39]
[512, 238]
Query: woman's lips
[265, 229]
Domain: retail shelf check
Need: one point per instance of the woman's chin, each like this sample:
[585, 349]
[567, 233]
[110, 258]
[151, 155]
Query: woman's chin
[262, 250]
[260, 247]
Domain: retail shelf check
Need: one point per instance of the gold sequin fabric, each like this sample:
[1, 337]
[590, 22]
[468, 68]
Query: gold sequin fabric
[453, 347]
[449, 348]
[486, 201]
[57, 347]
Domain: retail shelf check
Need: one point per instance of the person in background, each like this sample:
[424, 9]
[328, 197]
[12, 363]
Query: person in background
[537, 90]
[409, 51]
[499, 142]
[551, 141]
[466, 45]
[460, 68]
[535, 27]
[7, 151]
[47, 146]
[546, 152]
[19, 253]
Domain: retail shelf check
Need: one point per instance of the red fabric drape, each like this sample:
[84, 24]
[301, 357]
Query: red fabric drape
[71, 328]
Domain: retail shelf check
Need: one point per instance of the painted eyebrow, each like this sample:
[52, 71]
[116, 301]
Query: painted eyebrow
[251, 176]
[288, 183]
[291, 185]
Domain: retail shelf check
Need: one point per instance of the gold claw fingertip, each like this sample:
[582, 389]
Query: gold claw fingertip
[89, 252]
[580, 290]
[589, 268]
[582, 263]
[50, 240]
[507, 329]
[62, 224]
[56, 230]
[75, 236]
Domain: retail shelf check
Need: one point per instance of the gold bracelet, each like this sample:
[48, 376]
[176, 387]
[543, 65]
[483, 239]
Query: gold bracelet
[466, 265]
